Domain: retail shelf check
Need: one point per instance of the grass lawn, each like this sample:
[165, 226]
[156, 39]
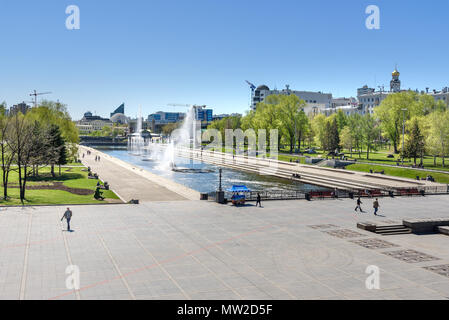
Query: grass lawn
[400, 172]
[71, 178]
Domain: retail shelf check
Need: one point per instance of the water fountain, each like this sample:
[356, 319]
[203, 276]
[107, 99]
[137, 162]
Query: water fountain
[138, 140]
[164, 153]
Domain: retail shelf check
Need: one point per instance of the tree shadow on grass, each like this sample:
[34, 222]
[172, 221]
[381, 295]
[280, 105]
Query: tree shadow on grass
[47, 177]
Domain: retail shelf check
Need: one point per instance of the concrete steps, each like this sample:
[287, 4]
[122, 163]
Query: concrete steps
[443, 230]
[384, 230]
[323, 181]
[392, 230]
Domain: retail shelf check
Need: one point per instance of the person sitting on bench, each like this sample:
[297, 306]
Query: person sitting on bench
[98, 194]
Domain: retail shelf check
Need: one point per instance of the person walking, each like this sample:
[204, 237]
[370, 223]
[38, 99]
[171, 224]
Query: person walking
[376, 206]
[68, 216]
[359, 205]
[258, 200]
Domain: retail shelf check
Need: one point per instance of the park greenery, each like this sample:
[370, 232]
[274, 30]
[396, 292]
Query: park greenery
[369, 137]
[114, 131]
[32, 146]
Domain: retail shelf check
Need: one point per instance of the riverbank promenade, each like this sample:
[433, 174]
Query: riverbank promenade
[203, 250]
[131, 182]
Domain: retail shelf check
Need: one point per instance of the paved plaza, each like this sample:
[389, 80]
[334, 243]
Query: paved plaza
[131, 182]
[202, 250]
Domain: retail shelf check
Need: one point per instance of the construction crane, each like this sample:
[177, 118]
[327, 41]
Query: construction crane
[252, 87]
[179, 105]
[35, 94]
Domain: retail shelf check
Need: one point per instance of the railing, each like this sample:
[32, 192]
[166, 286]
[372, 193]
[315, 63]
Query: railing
[329, 194]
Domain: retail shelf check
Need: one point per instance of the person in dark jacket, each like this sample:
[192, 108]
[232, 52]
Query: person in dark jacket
[359, 205]
[258, 200]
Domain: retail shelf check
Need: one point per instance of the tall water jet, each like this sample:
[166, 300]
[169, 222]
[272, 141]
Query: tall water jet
[136, 141]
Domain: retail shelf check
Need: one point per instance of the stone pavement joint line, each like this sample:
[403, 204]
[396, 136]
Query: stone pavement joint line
[69, 258]
[25, 262]
[202, 250]
[121, 276]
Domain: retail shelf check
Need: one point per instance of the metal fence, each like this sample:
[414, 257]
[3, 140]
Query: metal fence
[321, 195]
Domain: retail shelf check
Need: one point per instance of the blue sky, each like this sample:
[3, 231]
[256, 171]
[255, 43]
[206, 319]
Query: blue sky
[151, 53]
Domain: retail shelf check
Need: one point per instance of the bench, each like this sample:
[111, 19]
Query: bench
[409, 192]
[322, 194]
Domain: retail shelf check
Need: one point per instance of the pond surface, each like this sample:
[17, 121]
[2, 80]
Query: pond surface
[208, 181]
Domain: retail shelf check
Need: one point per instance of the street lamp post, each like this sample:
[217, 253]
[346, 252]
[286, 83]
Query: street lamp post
[403, 133]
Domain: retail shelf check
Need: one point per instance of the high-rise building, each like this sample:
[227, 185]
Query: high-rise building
[21, 107]
[162, 117]
[203, 114]
[120, 109]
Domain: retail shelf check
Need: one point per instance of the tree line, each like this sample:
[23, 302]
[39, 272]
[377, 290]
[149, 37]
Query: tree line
[44, 136]
[426, 125]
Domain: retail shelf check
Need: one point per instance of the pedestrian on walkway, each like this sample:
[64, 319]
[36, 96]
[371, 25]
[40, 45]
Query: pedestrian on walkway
[376, 206]
[68, 216]
[258, 200]
[98, 158]
[359, 205]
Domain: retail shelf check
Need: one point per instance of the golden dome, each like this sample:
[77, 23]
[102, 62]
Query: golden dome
[395, 73]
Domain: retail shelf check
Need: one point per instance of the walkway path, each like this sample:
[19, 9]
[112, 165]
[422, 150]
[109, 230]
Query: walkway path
[131, 182]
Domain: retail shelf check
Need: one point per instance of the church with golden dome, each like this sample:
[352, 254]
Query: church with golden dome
[395, 83]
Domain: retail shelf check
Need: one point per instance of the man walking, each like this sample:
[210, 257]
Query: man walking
[359, 205]
[67, 215]
[376, 206]
[258, 200]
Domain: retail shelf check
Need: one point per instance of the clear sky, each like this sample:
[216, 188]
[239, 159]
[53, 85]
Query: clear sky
[151, 53]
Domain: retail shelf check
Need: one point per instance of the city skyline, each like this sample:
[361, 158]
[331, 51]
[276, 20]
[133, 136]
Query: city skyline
[164, 54]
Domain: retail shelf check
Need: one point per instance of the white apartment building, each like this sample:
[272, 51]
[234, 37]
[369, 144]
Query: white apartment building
[441, 95]
[316, 102]
[369, 98]
[347, 110]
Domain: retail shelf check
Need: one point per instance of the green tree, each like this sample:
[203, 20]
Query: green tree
[319, 128]
[390, 113]
[331, 135]
[342, 120]
[347, 139]
[438, 138]
[414, 146]
[23, 140]
[7, 155]
[170, 127]
[370, 132]
[292, 117]
[355, 123]
[57, 154]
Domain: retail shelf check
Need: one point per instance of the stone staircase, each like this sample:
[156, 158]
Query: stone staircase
[392, 230]
[384, 229]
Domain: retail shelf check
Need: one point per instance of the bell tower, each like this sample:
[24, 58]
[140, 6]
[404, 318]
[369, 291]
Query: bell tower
[395, 83]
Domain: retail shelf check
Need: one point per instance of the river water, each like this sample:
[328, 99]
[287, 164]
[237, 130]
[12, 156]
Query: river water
[208, 182]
